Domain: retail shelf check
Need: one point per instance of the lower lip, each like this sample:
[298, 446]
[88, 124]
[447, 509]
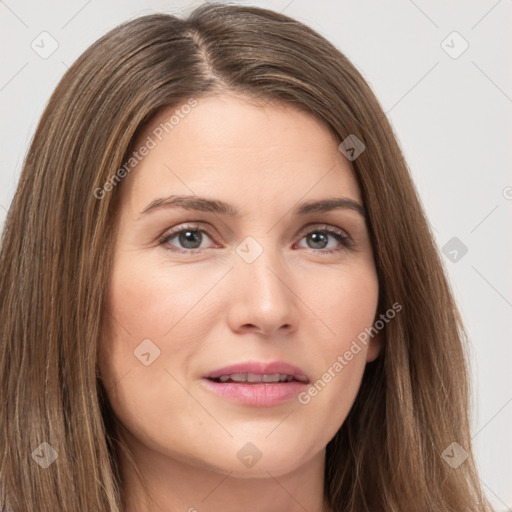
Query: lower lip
[257, 395]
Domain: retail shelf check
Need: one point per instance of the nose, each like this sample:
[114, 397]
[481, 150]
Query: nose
[263, 300]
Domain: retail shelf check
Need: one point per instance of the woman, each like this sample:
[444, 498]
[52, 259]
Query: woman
[170, 344]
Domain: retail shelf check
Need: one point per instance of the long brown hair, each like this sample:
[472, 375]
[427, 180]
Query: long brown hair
[56, 253]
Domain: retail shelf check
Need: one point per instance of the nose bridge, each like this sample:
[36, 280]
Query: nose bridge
[260, 264]
[264, 287]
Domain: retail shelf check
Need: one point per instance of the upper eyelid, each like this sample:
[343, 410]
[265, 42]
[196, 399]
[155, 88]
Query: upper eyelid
[199, 225]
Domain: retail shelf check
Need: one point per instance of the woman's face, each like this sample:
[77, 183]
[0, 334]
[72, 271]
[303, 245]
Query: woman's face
[257, 285]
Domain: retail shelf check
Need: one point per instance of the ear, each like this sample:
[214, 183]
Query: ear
[374, 347]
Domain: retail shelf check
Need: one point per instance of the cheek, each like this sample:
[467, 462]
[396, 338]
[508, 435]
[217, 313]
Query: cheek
[142, 344]
[349, 307]
[148, 299]
[138, 314]
[150, 332]
[141, 298]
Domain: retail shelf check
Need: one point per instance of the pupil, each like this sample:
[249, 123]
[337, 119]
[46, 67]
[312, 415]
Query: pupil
[187, 237]
[314, 238]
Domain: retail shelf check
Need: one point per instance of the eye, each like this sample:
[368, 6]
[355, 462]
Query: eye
[319, 238]
[190, 237]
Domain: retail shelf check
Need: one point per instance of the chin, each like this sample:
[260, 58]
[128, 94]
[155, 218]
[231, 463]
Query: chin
[247, 460]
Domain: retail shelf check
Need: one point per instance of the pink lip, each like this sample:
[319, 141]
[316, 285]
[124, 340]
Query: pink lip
[258, 394]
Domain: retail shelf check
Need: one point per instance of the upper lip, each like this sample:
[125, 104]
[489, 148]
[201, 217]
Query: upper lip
[260, 368]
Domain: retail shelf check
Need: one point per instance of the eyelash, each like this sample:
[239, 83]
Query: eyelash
[337, 233]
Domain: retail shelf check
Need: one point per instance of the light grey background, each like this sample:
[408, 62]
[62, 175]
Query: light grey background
[451, 113]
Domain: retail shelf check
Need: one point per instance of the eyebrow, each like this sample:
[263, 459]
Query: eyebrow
[220, 207]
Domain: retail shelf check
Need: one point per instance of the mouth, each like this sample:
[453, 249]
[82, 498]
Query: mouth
[257, 384]
[253, 378]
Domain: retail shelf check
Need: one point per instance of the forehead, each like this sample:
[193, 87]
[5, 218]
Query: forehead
[241, 149]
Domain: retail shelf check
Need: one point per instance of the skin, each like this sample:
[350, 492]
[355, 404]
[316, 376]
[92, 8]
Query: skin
[210, 309]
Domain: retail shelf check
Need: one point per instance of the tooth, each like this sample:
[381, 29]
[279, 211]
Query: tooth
[239, 377]
[271, 378]
[254, 377]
